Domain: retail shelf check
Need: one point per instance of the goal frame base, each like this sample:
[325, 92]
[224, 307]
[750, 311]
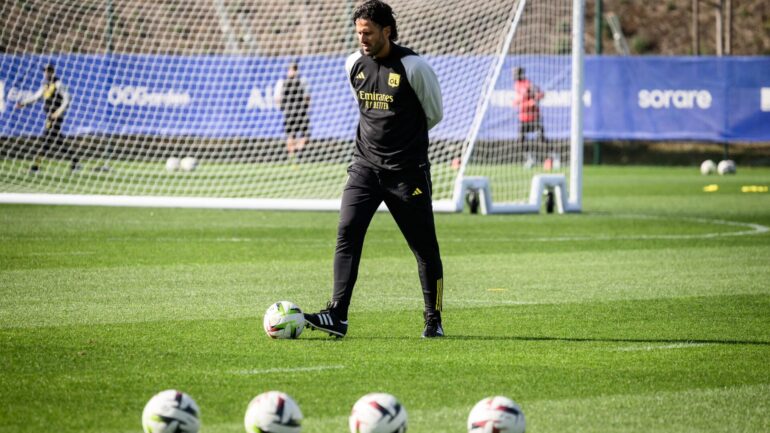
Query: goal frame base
[541, 184]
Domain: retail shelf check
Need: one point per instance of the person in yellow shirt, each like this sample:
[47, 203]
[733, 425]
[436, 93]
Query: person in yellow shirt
[56, 101]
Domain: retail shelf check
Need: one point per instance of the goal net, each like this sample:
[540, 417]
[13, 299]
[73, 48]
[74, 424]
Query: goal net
[246, 104]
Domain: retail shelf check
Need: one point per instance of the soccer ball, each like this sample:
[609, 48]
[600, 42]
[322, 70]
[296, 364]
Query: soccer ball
[726, 166]
[273, 412]
[172, 164]
[188, 163]
[496, 414]
[708, 167]
[171, 411]
[377, 413]
[284, 320]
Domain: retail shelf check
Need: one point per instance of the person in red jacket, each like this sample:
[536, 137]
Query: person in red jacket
[527, 101]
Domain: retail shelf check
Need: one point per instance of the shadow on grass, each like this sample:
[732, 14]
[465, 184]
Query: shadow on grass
[512, 338]
[608, 340]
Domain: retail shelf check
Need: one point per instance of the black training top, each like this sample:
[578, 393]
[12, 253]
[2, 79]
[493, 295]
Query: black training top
[294, 100]
[399, 100]
[54, 95]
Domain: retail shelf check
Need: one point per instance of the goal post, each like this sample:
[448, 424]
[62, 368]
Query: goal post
[185, 104]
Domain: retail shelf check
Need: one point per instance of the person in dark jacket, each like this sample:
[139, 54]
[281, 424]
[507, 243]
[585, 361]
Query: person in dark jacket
[294, 101]
[399, 100]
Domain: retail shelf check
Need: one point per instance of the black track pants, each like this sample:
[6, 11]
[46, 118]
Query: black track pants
[55, 144]
[407, 194]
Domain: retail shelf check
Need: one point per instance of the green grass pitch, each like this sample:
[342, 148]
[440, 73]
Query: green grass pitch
[648, 312]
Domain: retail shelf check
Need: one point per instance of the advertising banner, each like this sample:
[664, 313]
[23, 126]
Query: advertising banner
[649, 98]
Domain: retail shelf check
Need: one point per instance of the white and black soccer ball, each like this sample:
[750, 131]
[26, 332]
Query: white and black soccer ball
[273, 412]
[171, 411]
[726, 166]
[284, 319]
[378, 413]
[188, 163]
[496, 415]
[708, 167]
[172, 164]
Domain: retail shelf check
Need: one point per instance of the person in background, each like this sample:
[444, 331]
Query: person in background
[56, 101]
[526, 101]
[294, 101]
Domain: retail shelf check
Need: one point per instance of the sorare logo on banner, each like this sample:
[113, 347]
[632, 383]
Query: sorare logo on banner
[675, 98]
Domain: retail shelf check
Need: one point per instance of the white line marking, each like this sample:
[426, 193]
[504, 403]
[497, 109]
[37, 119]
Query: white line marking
[63, 253]
[664, 347]
[749, 229]
[464, 301]
[288, 370]
[492, 302]
[754, 229]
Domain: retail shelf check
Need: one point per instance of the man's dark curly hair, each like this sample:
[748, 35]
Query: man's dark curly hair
[378, 12]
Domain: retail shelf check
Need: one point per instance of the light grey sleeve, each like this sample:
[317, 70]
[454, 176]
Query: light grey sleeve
[425, 84]
[351, 60]
[278, 92]
[32, 98]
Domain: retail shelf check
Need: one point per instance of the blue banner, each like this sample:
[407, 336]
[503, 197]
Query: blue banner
[678, 98]
[207, 96]
[651, 98]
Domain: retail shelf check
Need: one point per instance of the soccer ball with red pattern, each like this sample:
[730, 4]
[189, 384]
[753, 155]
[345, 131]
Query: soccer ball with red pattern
[377, 413]
[496, 415]
[283, 320]
[273, 412]
[171, 411]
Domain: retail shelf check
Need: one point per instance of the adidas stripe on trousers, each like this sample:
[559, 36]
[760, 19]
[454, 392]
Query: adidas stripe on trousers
[407, 193]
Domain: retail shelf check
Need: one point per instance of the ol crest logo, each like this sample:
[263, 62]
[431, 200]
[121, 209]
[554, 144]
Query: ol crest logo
[394, 79]
[49, 90]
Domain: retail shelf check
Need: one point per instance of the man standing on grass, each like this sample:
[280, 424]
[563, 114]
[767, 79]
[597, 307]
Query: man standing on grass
[526, 100]
[399, 100]
[294, 100]
[56, 101]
